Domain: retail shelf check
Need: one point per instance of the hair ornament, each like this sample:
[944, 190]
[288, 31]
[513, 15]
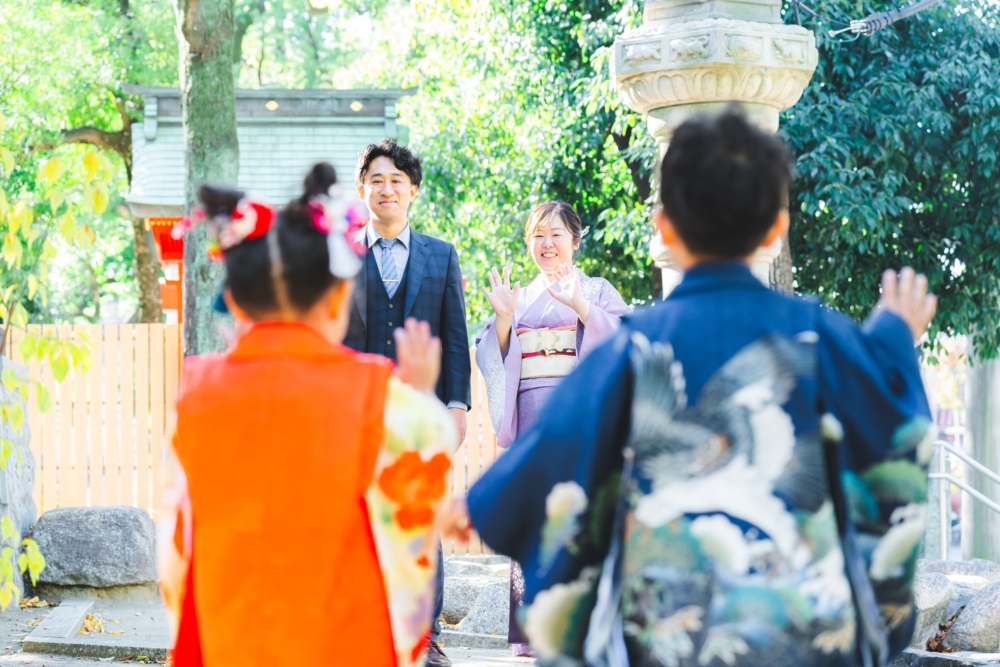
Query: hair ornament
[341, 223]
[188, 222]
[249, 220]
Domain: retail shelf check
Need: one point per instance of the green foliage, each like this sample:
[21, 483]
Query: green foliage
[91, 49]
[897, 140]
[295, 44]
[515, 107]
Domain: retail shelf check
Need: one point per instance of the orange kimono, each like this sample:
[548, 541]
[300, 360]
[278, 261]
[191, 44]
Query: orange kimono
[303, 504]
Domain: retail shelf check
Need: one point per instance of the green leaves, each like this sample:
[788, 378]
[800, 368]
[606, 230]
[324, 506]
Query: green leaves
[896, 140]
[7, 529]
[34, 561]
[60, 365]
[6, 450]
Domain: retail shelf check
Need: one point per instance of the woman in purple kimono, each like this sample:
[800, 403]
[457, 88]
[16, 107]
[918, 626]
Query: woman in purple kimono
[537, 336]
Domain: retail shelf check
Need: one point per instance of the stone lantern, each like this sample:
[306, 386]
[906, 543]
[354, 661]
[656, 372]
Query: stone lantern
[698, 56]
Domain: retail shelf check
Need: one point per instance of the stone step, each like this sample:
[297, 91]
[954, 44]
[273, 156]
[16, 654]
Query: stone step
[457, 639]
[130, 631]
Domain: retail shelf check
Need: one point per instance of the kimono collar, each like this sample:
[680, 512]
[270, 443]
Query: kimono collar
[712, 276]
[284, 339]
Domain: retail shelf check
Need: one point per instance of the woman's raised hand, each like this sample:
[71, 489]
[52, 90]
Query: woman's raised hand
[502, 297]
[570, 290]
[418, 355]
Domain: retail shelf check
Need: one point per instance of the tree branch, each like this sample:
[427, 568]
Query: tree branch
[120, 142]
[642, 184]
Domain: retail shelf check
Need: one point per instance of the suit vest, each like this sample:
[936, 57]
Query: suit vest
[384, 314]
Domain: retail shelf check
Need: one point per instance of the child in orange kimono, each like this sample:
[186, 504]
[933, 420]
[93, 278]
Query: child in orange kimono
[308, 477]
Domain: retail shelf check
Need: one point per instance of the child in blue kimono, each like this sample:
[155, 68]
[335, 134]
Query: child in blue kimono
[673, 507]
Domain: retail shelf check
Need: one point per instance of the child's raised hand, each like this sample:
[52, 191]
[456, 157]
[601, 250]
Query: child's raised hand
[906, 296]
[418, 355]
[454, 522]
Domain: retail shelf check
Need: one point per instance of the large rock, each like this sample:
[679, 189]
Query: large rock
[97, 547]
[978, 626]
[932, 594]
[461, 593]
[461, 568]
[490, 615]
[977, 567]
[961, 596]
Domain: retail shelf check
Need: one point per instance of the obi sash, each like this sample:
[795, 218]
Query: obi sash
[547, 353]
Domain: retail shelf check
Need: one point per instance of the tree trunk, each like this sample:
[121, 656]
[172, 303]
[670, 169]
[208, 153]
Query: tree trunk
[147, 275]
[206, 30]
[782, 278]
[980, 525]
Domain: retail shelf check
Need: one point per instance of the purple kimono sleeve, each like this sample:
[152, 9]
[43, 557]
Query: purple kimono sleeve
[605, 317]
[502, 377]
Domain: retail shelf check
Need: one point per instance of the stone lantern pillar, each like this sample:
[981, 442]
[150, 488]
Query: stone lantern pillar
[698, 56]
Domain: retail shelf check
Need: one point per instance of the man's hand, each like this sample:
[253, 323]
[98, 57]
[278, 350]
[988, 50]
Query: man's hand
[906, 296]
[418, 355]
[461, 417]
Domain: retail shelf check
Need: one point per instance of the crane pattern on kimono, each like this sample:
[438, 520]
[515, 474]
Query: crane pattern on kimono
[729, 550]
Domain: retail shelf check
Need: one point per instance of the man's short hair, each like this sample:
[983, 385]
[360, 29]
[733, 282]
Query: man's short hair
[404, 159]
[723, 183]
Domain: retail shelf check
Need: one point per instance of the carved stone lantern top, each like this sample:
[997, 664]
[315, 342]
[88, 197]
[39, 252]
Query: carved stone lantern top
[713, 61]
[662, 11]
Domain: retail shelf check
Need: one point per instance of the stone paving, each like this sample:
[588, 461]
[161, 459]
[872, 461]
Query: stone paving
[460, 658]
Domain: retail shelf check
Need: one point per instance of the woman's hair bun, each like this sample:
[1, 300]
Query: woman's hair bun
[319, 180]
[219, 201]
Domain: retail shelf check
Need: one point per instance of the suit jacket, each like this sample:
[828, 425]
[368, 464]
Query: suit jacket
[434, 294]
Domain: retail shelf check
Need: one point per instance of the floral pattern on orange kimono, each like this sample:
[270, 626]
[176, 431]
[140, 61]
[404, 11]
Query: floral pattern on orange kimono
[409, 485]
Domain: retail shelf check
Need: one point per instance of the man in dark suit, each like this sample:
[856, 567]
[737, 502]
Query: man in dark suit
[408, 274]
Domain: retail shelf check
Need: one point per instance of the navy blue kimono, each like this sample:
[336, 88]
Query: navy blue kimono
[671, 506]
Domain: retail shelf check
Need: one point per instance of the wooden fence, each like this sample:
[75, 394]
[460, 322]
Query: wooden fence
[103, 440]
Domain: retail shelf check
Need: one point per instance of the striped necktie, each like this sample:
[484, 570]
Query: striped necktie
[389, 274]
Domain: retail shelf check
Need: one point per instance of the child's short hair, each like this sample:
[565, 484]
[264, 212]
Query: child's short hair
[304, 256]
[404, 159]
[723, 183]
[546, 210]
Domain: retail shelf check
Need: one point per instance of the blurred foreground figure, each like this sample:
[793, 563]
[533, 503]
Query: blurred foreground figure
[672, 507]
[308, 476]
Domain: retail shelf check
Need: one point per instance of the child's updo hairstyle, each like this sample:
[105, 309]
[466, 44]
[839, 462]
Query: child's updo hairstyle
[286, 271]
[248, 268]
[304, 254]
[545, 211]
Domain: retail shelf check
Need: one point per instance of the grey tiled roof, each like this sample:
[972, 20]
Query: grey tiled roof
[277, 147]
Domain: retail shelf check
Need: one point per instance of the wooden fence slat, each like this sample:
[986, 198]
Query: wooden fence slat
[50, 498]
[81, 441]
[126, 347]
[96, 467]
[172, 362]
[156, 400]
[142, 418]
[62, 402]
[112, 458]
